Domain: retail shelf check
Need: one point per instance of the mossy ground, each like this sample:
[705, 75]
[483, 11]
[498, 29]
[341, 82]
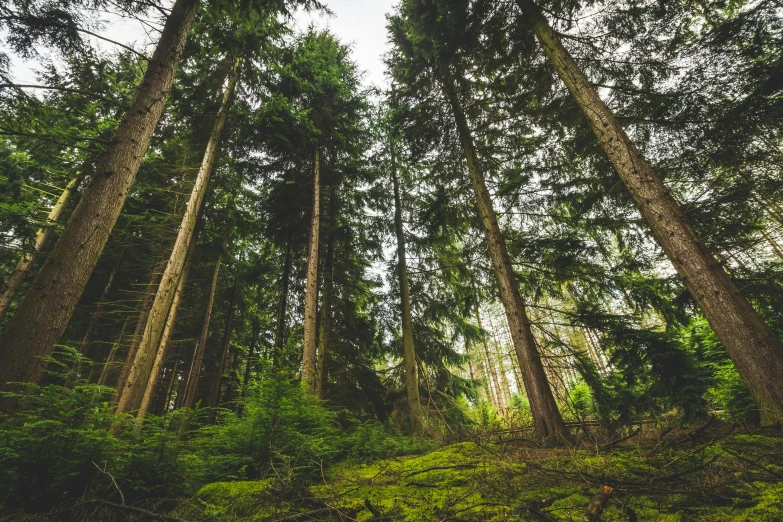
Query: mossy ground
[677, 475]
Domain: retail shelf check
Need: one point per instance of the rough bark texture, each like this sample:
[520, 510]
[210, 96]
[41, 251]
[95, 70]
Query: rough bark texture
[311, 288]
[754, 348]
[546, 417]
[47, 307]
[171, 321]
[28, 258]
[325, 332]
[198, 354]
[139, 373]
[408, 347]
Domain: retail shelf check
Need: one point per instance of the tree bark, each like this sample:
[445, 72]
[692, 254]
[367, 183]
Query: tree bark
[28, 258]
[311, 289]
[171, 321]
[408, 346]
[325, 332]
[47, 307]
[145, 356]
[283, 305]
[546, 417]
[751, 344]
[198, 354]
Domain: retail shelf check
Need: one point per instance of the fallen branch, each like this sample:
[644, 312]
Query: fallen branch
[438, 468]
[139, 511]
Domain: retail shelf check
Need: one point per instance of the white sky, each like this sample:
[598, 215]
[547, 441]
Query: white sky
[361, 23]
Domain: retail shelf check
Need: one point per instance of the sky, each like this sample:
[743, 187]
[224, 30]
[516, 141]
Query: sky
[361, 23]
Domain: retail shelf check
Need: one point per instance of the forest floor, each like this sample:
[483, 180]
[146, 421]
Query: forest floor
[709, 473]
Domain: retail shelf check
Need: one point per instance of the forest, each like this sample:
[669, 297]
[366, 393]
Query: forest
[536, 275]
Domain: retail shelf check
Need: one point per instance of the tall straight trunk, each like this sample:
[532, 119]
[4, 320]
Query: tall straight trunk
[214, 395]
[141, 322]
[499, 400]
[325, 332]
[47, 307]
[476, 372]
[251, 350]
[546, 417]
[168, 331]
[282, 307]
[408, 347]
[500, 360]
[84, 347]
[198, 354]
[751, 344]
[311, 289]
[112, 354]
[28, 258]
[150, 344]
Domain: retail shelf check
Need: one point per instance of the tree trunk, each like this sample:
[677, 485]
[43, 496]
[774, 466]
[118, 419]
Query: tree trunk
[499, 400]
[141, 322]
[281, 310]
[84, 347]
[754, 348]
[408, 347]
[546, 417]
[47, 307]
[311, 290]
[214, 396]
[198, 354]
[145, 356]
[168, 331]
[26, 263]
[112, 354]
[325, 332]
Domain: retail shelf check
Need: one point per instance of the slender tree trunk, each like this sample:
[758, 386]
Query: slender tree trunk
[198, 354]
[499, 400]
[214, 396]
[754, 348]
[168, 331]
[408, 347]
[26, 263]
[141, 322]
[47, 307]
[282, 307]
[251, 350]
[170, 384]
[112, 354]
[311, 290]
[546, 417]
[325, 332]
[145, 356]
[84, 347]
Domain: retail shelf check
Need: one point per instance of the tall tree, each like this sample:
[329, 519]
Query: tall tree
[754, 348]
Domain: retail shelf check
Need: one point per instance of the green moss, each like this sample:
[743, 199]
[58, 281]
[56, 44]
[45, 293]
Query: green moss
[240, 500]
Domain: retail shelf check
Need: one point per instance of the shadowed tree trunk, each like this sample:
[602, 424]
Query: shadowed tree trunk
[112, 354]
[84, 347]
[160, 356]
[47, 307]
[546, 417]
[281, 310]
[28, 258]
[198, 354]
[408, 347]
[325, 332]
[754, 348]
[311, 288]
[214, 395]
[139, 373]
